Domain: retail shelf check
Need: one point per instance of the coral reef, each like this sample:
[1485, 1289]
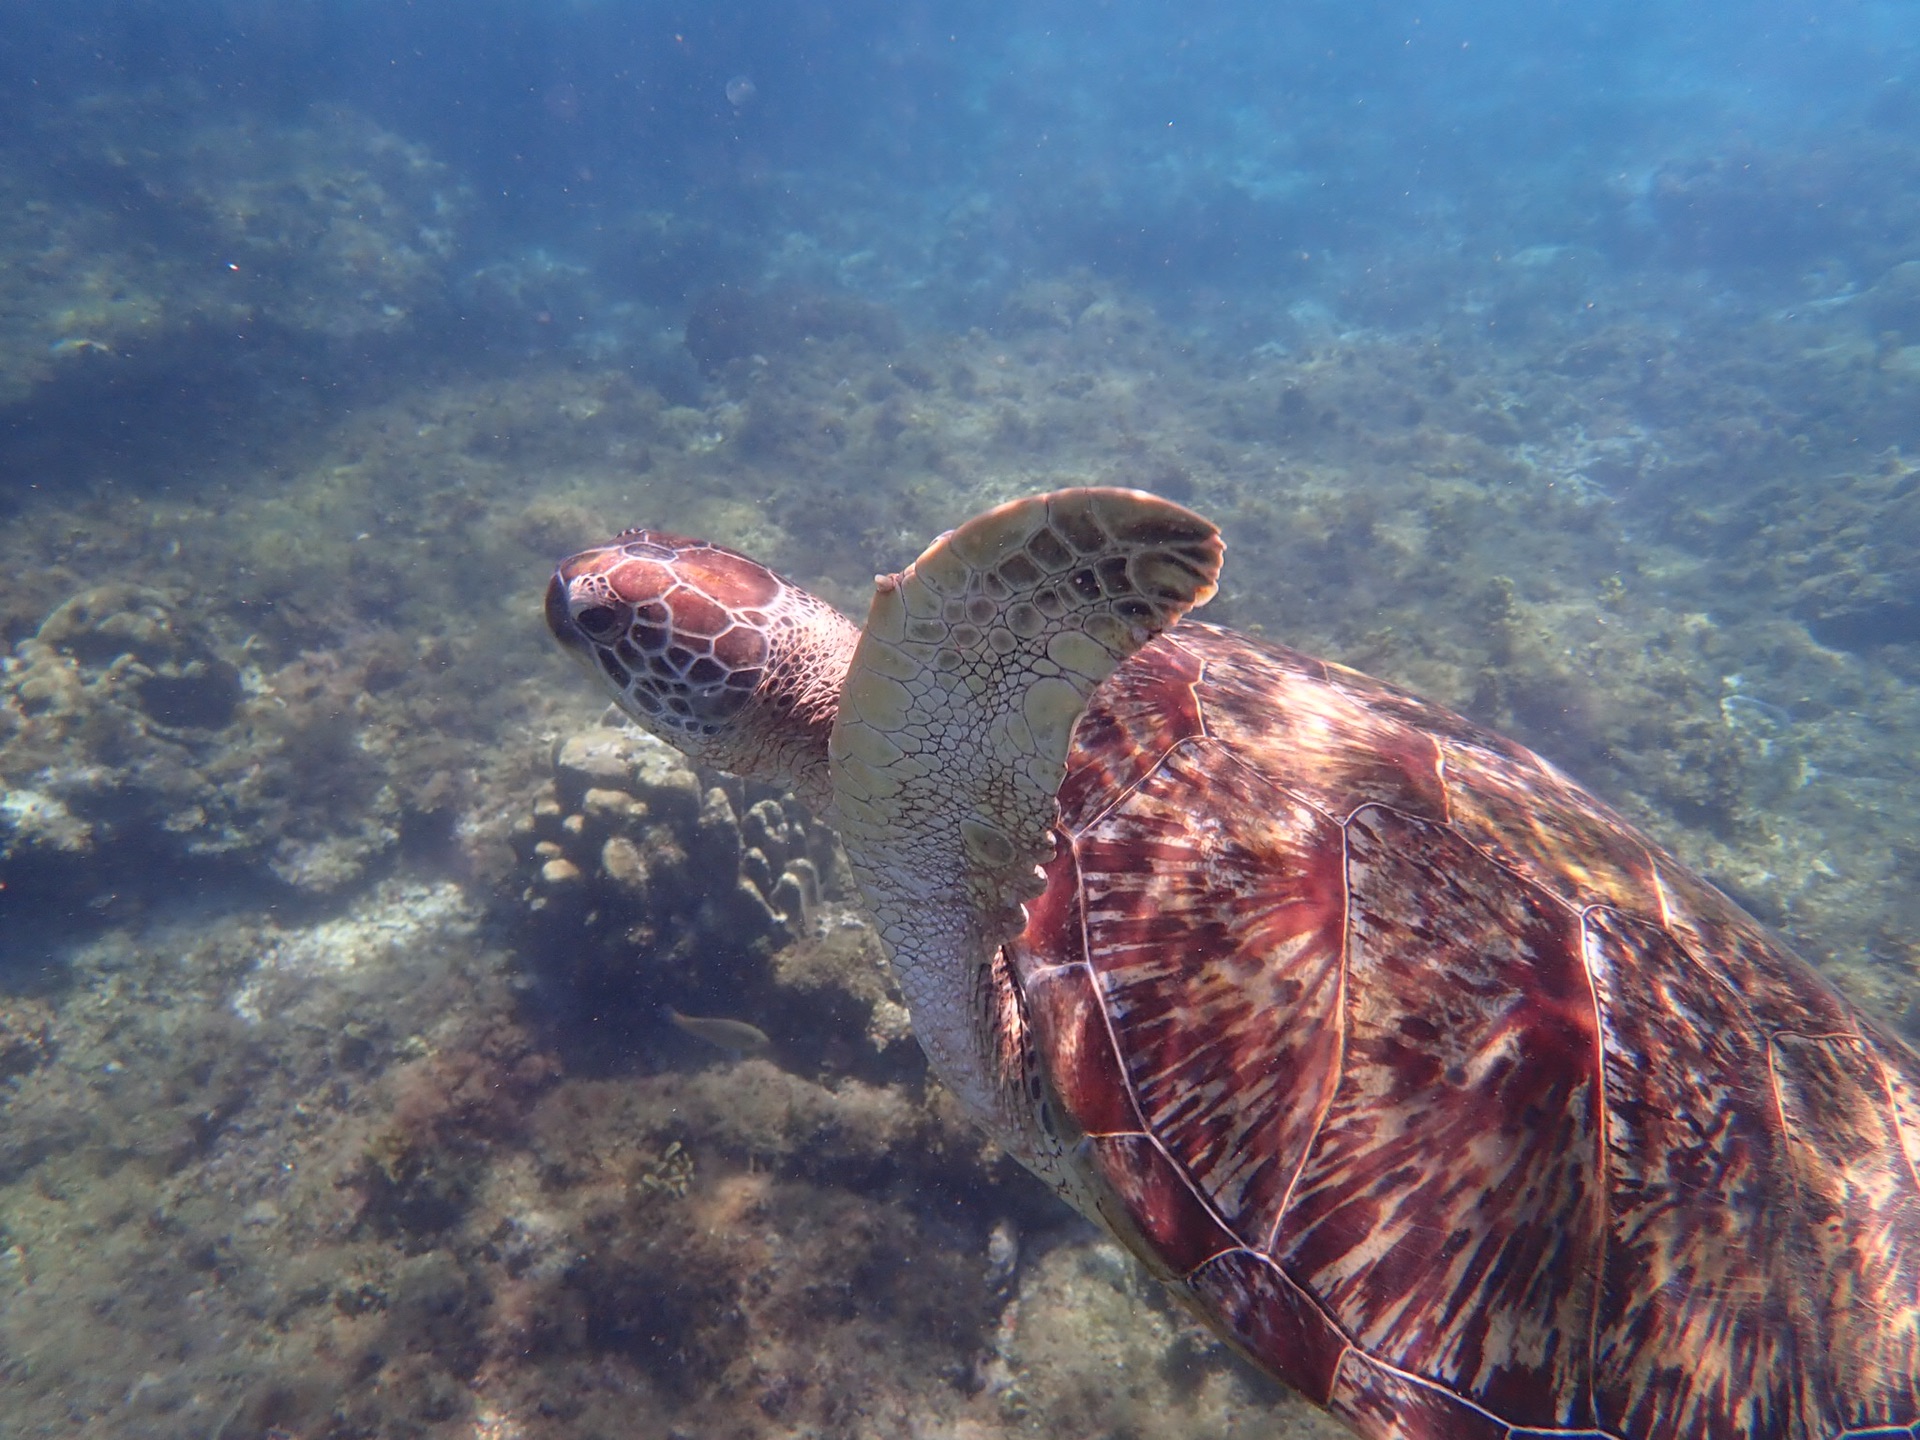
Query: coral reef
[644, 887]
[1850, 565]
[153, 231]
[627, 809]
[138, 733]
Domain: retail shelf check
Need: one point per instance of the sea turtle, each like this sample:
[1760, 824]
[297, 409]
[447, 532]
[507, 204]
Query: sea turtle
[1442, 1093]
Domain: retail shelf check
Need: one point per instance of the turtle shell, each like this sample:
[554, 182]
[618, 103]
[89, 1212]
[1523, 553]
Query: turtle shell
[1448, 1097]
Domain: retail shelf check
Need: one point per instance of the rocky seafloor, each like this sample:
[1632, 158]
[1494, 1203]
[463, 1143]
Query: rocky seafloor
[339, 926]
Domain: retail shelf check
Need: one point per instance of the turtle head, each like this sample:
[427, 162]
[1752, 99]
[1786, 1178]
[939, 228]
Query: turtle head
[710, 650]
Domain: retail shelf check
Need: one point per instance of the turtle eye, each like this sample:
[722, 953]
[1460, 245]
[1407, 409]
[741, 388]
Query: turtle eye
[599, 621]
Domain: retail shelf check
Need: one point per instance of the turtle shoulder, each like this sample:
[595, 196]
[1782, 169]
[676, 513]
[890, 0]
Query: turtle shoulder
[1422, 1073]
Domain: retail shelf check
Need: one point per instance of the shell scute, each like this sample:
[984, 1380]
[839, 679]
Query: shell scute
[1172, 1229]
[1139, 714]
[1695, 1330]
[1741, 960]
[1227, 992]
[1274, 710]
[1273, 1320]
[1403, 707]
[1088, 1079]
[1546, 829]
[1450, 1215]
[1903, 1102]
[1377, 1401]
[1858, 1194]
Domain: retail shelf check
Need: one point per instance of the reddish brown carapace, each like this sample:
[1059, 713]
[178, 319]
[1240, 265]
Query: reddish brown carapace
[1456, 1102]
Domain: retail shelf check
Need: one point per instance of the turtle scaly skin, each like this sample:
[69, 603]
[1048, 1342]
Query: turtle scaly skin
[1446, 1096]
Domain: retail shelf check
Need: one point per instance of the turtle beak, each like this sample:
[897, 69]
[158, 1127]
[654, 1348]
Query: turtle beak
[559, 616]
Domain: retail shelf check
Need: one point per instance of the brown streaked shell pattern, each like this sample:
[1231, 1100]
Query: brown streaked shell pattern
[1454, 1101]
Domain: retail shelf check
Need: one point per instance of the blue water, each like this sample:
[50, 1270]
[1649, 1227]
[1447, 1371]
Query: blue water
[1214, 151]
[1560, 361]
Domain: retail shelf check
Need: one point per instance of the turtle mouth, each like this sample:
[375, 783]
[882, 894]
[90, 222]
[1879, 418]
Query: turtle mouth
[560, 616]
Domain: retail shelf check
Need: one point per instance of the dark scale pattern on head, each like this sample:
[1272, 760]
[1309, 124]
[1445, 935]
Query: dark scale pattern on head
[674, 625]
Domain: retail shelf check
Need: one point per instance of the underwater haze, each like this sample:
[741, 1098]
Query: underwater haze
[394, 1044]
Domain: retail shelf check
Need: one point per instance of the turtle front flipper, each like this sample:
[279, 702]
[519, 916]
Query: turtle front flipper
[956, 718]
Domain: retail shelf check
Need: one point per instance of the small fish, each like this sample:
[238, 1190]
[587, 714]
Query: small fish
[734, 1036]
[1749, 712]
